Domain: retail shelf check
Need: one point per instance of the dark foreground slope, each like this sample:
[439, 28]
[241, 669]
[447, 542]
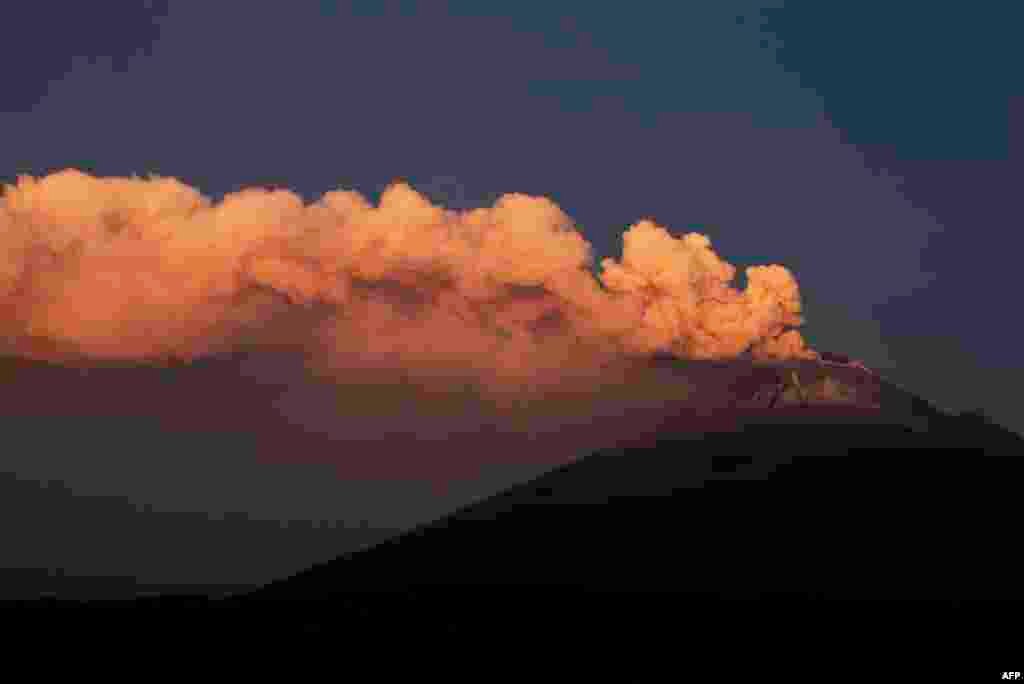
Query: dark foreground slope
[751, 491]
[753, 495]
[905, 503]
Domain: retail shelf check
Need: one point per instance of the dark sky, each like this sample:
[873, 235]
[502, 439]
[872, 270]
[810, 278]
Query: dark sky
[869, 147]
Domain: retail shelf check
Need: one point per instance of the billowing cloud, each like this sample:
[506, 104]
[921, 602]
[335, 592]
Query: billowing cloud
[503, 297]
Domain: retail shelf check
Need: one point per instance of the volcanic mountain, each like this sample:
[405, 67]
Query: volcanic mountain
[785, 478]
[885, 497]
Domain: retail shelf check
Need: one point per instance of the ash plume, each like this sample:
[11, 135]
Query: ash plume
[501, 297]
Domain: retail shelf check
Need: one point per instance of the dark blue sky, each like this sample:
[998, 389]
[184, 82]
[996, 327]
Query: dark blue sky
[869, 147]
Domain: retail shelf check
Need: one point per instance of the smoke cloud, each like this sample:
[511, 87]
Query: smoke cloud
[503, 298]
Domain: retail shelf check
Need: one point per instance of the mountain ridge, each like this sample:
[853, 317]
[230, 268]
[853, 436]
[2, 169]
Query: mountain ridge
[755, 442]
[813, 477]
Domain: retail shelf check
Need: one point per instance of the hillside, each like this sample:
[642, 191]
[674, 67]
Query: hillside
[905, 502]
[763, 485]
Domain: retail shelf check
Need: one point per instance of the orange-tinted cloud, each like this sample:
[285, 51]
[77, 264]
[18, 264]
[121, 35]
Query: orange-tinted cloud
[504, 296]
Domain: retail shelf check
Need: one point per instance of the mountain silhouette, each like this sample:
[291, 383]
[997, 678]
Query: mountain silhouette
[767, 488]
[895, 501]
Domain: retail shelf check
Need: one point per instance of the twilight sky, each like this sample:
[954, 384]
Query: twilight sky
[868, 148]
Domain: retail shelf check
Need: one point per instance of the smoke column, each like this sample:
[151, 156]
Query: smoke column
[457, 337]
[503, 298]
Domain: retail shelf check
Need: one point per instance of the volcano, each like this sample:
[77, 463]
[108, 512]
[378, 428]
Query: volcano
[767, 483]
[881, 497]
